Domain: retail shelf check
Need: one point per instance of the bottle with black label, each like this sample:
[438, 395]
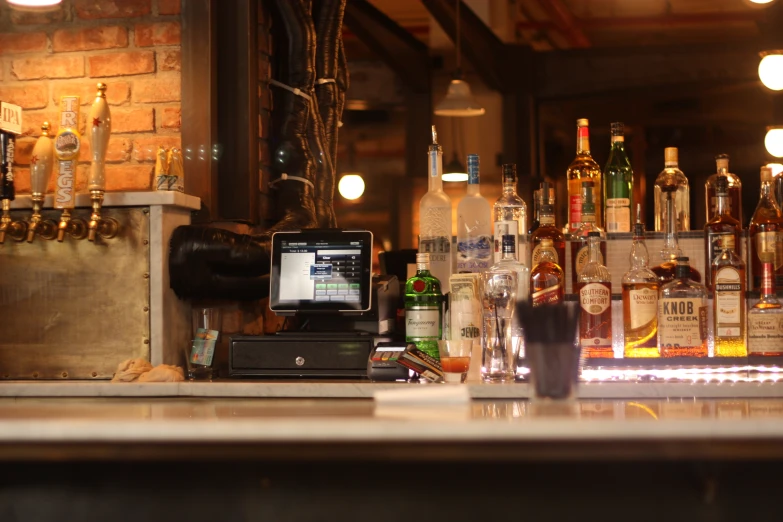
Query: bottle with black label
[728, 276]
[723, 230]
[547, 230]
[594, 289]
[547, 284]
[682, 315]
[640, 299]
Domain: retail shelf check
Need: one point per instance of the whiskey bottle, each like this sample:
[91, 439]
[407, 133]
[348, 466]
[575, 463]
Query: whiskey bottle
[640, 299]
[423, 311]
[765, 318]
[672, 194]
[547, 284]
[728, 276]
[510, 213]
[722, 230]
[682, 315]
[435, 216]
[595, 300]
[474, 228]
[582, 168]
[535, 222]
[618, 184]
[547, 230]
[579, 239]
[734, 189]
[766, 232]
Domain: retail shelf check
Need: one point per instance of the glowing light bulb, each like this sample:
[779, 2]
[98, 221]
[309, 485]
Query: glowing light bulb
[351, 186]
[774, 141]
[771, 70]
[34, 3]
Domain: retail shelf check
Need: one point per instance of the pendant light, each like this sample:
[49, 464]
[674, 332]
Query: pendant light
[34, 5]
[454, 171]
[459, 100]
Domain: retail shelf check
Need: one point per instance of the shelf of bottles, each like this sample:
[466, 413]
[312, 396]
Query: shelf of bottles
[667, 304]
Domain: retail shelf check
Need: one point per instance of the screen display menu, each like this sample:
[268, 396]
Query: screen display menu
[325, 273]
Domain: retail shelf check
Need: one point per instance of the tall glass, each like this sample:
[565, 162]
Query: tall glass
[498, 298]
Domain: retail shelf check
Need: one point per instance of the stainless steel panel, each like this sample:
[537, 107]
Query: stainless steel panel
[74, 310]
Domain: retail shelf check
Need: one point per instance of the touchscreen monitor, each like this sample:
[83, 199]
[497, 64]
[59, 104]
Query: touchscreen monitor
[321, 271]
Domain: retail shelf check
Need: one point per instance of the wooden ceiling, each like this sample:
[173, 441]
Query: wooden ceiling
[564, 24]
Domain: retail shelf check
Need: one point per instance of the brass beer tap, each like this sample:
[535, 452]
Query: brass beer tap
[66, 147]
[41, 165]
[8, 226]
[100, 130]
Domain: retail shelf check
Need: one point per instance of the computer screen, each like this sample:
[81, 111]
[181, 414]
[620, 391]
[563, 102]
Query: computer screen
[321, 271]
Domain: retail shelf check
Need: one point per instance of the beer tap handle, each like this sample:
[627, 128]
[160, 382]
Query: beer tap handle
[99, 123]
[8, 226]
[67, 144]
[41, 166]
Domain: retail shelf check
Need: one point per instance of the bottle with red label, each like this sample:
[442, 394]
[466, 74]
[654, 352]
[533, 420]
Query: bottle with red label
[594, 288]
[423, 308]
[583, 168]
[547, 283]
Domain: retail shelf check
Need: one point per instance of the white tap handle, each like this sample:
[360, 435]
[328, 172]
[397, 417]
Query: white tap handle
[99, 123]
[42, 162]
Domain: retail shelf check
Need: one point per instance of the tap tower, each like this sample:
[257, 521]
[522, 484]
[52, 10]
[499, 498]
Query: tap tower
[99, 123]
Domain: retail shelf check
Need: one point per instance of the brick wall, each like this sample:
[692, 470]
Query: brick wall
[131, 45]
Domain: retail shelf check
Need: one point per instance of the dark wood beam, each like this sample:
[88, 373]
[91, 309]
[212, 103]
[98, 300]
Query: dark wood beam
[199, 103]
[400, 50]
[565, 22]
[483, 49]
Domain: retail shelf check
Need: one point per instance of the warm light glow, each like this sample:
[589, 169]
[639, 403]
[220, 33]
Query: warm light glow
[777, 168]
[455, 176]
[761, 1]
[771, 70]
[34, 3]
[774, 141]
[459, 101]
[351, 186]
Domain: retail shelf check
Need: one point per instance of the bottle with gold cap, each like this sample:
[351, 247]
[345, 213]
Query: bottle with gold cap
[734, 185]
[583, 168]
[672, 194]
[765, 233]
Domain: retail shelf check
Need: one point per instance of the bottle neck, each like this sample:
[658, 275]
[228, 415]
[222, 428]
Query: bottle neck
[766, 190]
[509, 248]
[509, 186]
[722, 205]
[618, 144]
[546, 217]
[767, 281]
[671, 248]
[435, 183]
[547, 254]
[588, 216]
[422, 268]
[473, 189]
[583, 141]
[639, 256]
[594, 252]
[682, 271]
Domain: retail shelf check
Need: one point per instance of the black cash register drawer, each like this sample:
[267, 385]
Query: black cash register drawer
[300, 355]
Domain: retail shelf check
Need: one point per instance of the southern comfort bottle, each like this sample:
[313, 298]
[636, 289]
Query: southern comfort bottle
[583, 168]
[640, 299]
[579, 239]
[682, 315]
[595, 300]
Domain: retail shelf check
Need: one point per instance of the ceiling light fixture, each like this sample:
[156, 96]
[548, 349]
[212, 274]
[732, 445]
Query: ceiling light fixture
[454, 170]
[771, 69]
[459, 100]
[773, 141]
[351, 186]
[34, 5]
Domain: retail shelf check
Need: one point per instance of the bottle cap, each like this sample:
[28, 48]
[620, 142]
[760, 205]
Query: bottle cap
[617, 128]
[593, 234]
[546, 242]
[722, 186]
[588, 184]
[766, 174]
[722, 161]
[638, 229]
[681, 259]
[422, 257]
[509, 171]
[670, 154]
[473, 169]
[582, 122]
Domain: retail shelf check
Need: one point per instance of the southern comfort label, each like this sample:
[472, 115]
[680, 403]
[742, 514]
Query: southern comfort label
[595, 299]
[682, 323]
[729, 300]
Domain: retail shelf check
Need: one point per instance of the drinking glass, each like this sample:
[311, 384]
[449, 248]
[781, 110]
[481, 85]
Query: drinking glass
[455, 359]
[498, 297]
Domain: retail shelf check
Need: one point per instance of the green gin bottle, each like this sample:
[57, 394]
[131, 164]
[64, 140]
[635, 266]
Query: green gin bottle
[423, 312]
[618, 184]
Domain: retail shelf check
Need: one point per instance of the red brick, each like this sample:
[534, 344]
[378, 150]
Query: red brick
[24, 150]
[128, 177]
[22, 42]
[169, 7]
[144, 149]
[169, 60]
[48, 67]
[117, 93]
[32, 121]
[33, 96]
[94, 9]
[132, 120]
[164, 33]
[33, 18]
[170, 118]
[118, 151]
[122, 64]
[90, 38]
[157, 91]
